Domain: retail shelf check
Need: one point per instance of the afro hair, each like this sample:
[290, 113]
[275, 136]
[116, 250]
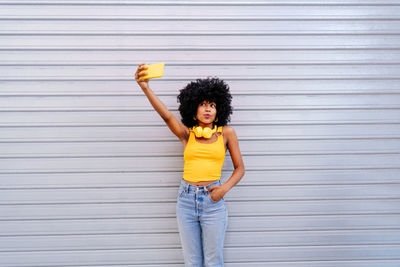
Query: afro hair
[209, 89]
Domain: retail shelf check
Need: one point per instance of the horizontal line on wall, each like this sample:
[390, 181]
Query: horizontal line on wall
[80, 171]
[234, 216]
[86, 124]
[174, 93]
[198, 33]
[256, 263]
[27, 189]
[242, 108]
[173, 216]
[200, 18]
[174, 201]
[375, 177]
[203, 48]
[240, 123]
[179, 263]
[204, 63]
[39, 155]
[389, 176]
[143, 139]
[99, 186]
[173, 232]
[130, 232]
[180, 78]
[226, 246]
[204, 3]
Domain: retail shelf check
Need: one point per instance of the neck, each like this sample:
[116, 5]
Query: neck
[209, 125]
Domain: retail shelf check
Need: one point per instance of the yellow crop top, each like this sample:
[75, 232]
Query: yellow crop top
[203, 162]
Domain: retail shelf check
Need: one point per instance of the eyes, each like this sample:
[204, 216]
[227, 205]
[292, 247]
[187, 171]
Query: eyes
[204, 104]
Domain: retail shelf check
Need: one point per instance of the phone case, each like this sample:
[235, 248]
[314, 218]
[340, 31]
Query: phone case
[155, 70]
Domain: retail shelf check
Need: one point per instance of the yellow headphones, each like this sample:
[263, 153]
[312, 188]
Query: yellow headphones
[204, 132]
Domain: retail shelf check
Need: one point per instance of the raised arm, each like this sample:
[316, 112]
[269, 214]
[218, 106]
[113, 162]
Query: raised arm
[178, 128]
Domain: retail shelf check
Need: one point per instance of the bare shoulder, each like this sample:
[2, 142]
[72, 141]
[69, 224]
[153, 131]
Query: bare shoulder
[227, 129]
[228, 132]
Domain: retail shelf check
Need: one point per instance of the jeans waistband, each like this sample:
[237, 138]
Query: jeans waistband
[189, 187]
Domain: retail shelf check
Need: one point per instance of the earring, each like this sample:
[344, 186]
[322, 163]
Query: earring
[216, 120]
[194, 118]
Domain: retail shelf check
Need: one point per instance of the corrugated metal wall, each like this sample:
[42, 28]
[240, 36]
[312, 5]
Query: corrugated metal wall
[89, 172]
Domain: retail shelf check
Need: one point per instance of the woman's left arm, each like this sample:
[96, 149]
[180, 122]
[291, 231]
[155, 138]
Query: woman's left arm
[233, 145]
[234, 151]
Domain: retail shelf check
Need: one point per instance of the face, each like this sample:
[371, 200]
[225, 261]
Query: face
[206, 112]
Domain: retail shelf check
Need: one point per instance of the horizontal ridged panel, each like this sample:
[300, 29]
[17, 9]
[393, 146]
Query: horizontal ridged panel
[247, 117]
[171, 240]
[239, 85]
[246, 193]
[237, 224]
[240, 56]
[239, 102]
[189, 27]
[164, 209]
[250, 148]
[191, 10]
[117, 3]
[179, 72]
[119, 179]
[157, 133]
[146, 256]
[163, 164]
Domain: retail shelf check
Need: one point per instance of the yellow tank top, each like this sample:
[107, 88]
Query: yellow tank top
[203, 162]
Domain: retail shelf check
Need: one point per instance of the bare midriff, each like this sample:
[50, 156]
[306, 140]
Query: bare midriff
[204, 183]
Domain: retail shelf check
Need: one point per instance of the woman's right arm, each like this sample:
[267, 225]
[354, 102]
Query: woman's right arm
[178, 128]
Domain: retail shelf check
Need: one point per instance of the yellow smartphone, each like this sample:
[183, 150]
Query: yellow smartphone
[155, 70]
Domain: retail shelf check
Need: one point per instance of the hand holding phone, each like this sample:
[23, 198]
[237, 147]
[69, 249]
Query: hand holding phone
[155, 70]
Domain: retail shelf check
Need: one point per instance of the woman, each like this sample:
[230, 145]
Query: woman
[205, 107]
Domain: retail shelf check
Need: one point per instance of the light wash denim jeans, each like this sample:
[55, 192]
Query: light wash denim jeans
[202, 224]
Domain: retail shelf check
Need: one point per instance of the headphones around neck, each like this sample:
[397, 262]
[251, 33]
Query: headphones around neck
[204, 132]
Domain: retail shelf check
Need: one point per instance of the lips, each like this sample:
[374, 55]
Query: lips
[207, 116]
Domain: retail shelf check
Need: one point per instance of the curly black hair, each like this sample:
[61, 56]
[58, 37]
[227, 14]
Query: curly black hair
[209, 89]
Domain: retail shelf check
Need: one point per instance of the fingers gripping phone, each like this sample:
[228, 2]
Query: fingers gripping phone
[155, 70]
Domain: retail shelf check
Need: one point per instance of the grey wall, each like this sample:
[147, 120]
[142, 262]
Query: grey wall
[89, 172]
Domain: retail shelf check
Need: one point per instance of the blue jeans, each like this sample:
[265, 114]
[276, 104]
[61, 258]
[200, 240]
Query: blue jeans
[202, 224]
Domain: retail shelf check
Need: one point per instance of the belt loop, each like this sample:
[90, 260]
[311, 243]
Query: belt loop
[187, 188]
